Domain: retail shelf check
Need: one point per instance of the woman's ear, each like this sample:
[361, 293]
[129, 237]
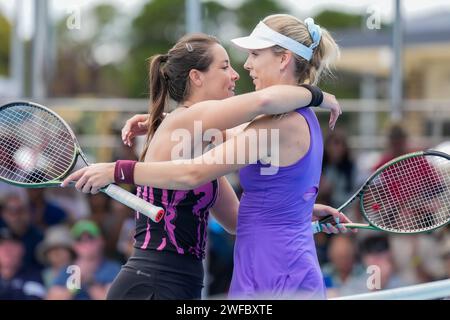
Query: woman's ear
[196, 77]
[286, 58]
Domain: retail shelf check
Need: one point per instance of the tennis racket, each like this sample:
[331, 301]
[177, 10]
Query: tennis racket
[38, 149]
[409, 194]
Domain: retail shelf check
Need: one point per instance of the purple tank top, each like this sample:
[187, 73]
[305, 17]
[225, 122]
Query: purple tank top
[275, 252]
[184, 227]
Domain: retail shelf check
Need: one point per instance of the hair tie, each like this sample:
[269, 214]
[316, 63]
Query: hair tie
[314, 31]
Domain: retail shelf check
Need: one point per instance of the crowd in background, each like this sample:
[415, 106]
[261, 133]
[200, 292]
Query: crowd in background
[49, 236]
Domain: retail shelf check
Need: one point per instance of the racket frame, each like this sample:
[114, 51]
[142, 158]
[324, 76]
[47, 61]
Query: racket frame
[112, 190]
[359, 194]
[77, 150]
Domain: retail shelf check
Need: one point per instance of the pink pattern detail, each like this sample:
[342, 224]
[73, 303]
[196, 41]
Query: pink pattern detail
[171, 215]
[147, 236]
[162, 245]
[148, 195]
[202, 203]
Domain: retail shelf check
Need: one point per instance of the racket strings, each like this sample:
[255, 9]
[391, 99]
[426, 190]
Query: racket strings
[23, 155]
[410, 195]
[36, 146]
[46, 145]
[33, 162]
[26, 160]
[409, 191]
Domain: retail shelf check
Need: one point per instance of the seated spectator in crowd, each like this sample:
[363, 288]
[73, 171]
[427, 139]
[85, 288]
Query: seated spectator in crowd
[416, 257]
[119, 214]
[108, 215]
[17, 280]
[125, 244]
[445, 251]
[55, 252]
[343, 265]
[44, 213]
[337, 183]
[16, 217]
[380, 270]
[74, 203]
[7, 189]
[96, 273]
[220, 248]
[397, 145]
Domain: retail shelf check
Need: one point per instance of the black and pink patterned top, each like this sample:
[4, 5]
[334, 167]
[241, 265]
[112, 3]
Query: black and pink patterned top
[184, 227]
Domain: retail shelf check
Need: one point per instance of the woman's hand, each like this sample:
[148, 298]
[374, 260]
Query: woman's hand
[92, 178]
[320, 211]
[330, 103]
[135, 126]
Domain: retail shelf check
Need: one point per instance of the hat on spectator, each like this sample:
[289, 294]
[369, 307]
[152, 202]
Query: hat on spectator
[55, 237]
[85, 226]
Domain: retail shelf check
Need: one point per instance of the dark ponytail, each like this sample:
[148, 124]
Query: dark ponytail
[169, 76]
[158, 97]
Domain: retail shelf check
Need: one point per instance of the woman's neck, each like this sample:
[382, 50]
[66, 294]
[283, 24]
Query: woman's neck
[193, 99]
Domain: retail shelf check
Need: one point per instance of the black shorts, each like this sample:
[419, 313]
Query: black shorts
[158, 275]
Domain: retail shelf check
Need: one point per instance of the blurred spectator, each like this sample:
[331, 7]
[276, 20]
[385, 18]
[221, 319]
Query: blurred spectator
[416, 257]
[445, 252]
[7, 189]
[109, 215]
[96, 272]
[381, 275]
[125, 244]
[337, 183]
[16, 217]
[220, 260]
[17, 280]
[74, 203]
[343, 265]
[44, 213]
[338, 174]
[120, 213]
[100, 211]
[397, 145]
[55, 252]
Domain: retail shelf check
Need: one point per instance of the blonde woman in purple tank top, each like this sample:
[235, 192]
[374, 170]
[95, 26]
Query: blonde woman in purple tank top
[274, 253]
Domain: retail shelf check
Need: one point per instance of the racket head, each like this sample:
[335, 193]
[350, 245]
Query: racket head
[37, 147]
[409, 194]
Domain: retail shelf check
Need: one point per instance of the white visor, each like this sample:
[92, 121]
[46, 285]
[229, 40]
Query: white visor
[264, 37]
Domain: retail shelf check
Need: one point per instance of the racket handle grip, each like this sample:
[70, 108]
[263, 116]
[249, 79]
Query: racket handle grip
[316, 225]
[316, 228]
[127, 198]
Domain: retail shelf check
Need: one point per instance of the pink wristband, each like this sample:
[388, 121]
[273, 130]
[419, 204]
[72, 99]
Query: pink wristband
[124, 171]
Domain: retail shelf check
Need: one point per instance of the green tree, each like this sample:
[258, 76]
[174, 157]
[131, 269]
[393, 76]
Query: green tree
[78, 71]
[159, 24]
[252, 11]
[331, 19]
[5, 37]
[155, 30]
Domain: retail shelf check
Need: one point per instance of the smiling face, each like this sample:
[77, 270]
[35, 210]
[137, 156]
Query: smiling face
[219, 81]
[264, 67]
